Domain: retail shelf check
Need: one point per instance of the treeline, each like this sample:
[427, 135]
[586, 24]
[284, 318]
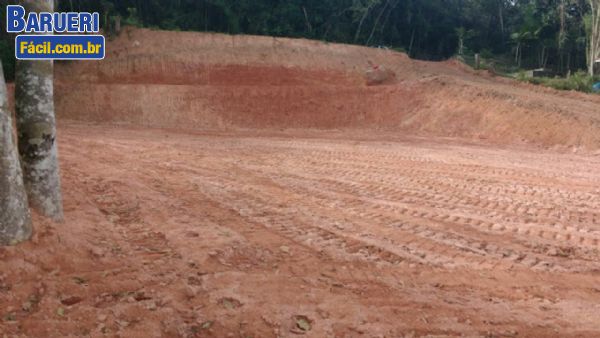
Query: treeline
[529, 33]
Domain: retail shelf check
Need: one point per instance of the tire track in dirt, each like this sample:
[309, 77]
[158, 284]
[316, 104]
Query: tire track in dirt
[427, 238]
[376, 225]
[424, 208]
[526, 210]
[532, 235]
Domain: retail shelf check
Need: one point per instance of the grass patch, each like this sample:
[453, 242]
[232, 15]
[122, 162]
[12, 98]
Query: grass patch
[579, 81]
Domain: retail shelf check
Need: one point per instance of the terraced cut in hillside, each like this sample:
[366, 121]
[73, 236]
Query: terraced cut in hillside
[255, 234]
[221, 82]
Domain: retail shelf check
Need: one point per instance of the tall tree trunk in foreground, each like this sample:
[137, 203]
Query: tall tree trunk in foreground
[15, 221]
[594, 38]
[36, 126]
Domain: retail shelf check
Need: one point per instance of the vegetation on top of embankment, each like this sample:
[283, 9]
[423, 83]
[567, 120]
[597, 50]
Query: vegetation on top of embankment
[579, 81]
[552, 34]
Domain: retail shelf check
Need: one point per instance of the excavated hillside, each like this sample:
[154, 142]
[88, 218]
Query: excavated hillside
[215, 81]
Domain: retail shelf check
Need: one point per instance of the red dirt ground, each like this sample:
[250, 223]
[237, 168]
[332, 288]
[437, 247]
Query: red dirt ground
[216, 234]
[220, 82]
[282, 197]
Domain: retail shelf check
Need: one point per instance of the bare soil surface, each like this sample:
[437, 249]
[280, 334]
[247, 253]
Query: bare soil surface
[257, 234]
[221, 82]
[284, 197]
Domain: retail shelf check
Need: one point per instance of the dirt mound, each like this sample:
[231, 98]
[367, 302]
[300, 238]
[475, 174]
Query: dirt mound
[216, 81]
[379, 75]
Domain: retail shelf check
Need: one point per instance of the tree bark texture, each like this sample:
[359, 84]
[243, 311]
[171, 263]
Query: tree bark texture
[15, 220]
[36, 128]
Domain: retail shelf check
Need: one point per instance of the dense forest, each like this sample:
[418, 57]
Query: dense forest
[525, 34]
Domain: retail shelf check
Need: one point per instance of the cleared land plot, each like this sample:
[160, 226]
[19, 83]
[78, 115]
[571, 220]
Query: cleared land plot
[240, 233]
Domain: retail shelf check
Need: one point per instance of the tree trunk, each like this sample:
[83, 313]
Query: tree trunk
[15, 221]
[412, 41]
[501, 17]
[36, 128]
[594, 43]
[377, 22]
[106, 23]
[117, 27]
[362, 20]
[387, 17]
[308, 25]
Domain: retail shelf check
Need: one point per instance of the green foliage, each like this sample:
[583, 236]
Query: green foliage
[486, 53]
[580, 81]
[525, 33]
[7, 55]
[132, 18]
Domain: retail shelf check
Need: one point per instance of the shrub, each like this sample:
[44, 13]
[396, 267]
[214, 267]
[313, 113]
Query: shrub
[579, 81]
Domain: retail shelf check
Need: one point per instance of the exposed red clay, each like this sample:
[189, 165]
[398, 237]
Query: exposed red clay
[282, 197]
[220, 82]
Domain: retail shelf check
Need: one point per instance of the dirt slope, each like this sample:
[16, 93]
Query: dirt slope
[215, 81]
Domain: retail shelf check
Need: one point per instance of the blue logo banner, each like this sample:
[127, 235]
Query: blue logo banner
[60, 47]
